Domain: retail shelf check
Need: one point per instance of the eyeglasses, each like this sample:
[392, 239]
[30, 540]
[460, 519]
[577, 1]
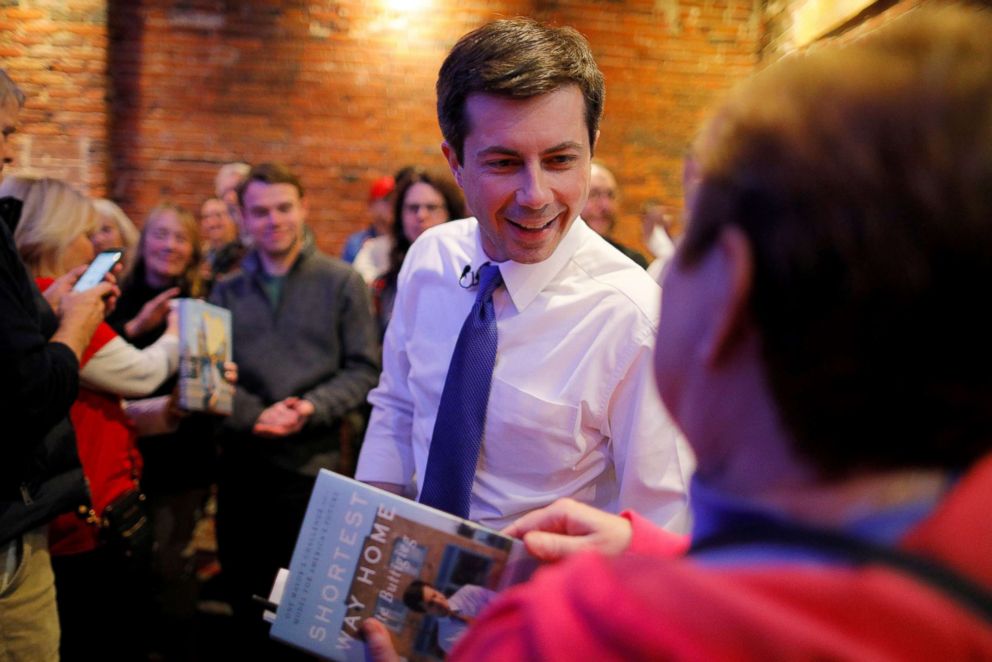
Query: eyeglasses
[430, 208]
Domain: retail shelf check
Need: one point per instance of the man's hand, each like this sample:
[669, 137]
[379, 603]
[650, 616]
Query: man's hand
[81, 313]
[175, 412]
[231, 372]
[283, 418]
[302, 407]
[567, 527]
[378, 641]
[152, 314]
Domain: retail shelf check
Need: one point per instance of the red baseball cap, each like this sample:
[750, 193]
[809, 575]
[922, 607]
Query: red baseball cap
[381, 188]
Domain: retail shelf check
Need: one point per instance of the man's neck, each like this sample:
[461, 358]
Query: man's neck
[157, 281]
[834, 504]
[279, 265]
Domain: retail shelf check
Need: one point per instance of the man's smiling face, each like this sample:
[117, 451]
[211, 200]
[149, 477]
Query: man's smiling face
[526, 170]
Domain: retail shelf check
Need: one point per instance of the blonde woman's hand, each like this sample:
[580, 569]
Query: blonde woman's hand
[152, 314]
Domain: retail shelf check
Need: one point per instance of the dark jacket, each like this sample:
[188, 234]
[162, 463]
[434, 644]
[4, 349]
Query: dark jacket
[40, 474]
[319, 343]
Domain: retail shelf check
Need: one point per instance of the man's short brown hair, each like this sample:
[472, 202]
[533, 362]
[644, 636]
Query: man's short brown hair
[862, 177]
[269, 173]
[517, 58]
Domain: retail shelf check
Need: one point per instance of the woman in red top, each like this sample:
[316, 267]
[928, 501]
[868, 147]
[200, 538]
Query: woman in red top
[94, 586]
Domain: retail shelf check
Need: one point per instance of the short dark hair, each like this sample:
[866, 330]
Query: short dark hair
[517, 58]
[413, 596]
[269, 173]
[862, 178]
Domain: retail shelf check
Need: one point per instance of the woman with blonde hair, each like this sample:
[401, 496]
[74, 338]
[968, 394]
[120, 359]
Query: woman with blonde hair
[94, 584]
[166, 265]
[178, 466]
[115, 230]
[47, 246]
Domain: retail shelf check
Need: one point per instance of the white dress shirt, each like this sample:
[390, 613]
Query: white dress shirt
[372, 259]
[663, 249]
[573, 409]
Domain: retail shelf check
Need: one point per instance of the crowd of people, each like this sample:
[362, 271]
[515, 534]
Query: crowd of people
[810, 483]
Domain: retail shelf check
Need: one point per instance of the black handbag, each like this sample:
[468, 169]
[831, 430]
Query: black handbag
[125, 526]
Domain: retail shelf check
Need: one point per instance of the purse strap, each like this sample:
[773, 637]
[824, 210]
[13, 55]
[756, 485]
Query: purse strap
[765, 531]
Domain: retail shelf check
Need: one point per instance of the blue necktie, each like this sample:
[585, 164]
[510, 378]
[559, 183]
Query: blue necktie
[461, 416]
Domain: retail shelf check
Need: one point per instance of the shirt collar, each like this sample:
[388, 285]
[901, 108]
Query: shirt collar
[525, 281]
[714, 510]
[252, 263]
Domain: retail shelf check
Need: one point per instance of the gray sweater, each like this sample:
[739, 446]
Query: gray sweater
[319, 343]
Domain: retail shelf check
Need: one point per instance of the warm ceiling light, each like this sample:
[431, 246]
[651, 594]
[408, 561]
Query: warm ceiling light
[406, 5]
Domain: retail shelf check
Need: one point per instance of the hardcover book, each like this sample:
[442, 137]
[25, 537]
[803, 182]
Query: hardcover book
[363, 552]
[204, 347]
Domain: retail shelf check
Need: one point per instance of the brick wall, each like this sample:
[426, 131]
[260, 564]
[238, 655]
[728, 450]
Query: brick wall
[778, 17]
[56, 51]
[341, 91]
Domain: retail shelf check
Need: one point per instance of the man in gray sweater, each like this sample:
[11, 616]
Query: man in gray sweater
[305, 344]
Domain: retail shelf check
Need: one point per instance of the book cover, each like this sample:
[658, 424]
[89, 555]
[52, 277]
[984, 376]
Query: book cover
[204, 347]
[358, 552]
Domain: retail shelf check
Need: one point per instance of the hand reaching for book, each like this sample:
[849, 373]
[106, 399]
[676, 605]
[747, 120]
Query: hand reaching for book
[175, 410]
[153, 313]
[378, 641]
[567, 527]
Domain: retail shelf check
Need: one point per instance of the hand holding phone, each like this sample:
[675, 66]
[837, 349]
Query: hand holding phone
[99, 267]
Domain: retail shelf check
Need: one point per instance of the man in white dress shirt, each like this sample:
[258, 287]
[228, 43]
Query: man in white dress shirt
[573, 409]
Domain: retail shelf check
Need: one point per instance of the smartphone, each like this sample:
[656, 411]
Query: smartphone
[98, 268]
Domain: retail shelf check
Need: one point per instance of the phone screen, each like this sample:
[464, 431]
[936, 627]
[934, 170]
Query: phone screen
[98, 268]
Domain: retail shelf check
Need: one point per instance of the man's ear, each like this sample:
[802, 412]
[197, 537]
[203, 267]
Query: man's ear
[452, 158]
[737, 275]
[595, 142]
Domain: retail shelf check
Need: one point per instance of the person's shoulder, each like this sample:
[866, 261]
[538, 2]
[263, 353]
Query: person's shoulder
[359, 236]
[332, 271]
[613, 273]
[584, 588]
[382, 242]
[454, 237]
[460, 230]
[227, 281]
[316, 260]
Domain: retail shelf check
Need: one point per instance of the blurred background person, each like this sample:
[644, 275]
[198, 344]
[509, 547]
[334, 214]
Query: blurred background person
[422, 201]
[600, 210]
[656, 231]
[180, 466]
[229, 177]
[96, 584]
[221, 245]
[167, 266]
[115, 230]
[41, 342]
[304, 339]
[381, 213]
